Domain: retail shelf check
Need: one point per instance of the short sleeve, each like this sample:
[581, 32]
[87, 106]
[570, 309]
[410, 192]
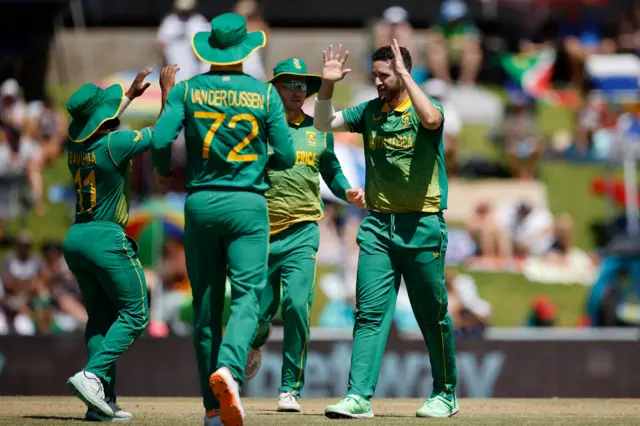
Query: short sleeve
[354, 117]
[124, 145]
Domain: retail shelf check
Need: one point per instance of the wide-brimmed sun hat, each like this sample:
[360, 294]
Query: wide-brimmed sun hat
[90, 106]
[228, 43]
[297, 67]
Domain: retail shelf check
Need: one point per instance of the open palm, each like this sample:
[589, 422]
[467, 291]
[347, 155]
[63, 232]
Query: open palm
[333, 68]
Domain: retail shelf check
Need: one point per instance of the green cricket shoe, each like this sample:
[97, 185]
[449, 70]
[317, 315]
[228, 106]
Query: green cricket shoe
[440, 406]
[350, 407]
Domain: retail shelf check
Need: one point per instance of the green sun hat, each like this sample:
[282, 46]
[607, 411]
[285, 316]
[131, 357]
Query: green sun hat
[297, 67]
[90, 106]
[228, 43]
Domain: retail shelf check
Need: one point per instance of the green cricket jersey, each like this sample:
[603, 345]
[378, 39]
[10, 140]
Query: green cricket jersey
[228, 117]
[405, 169]
[101, 172]
[295, 193]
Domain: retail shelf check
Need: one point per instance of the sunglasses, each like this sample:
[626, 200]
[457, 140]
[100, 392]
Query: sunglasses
[294, 84]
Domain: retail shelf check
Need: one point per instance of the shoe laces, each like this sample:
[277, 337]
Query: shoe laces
[288, 396]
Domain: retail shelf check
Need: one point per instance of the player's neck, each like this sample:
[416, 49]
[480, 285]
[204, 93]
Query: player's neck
[400, 98]
[223, 68]
[293, 115]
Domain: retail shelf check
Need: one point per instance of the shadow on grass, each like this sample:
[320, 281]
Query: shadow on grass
[61, 418]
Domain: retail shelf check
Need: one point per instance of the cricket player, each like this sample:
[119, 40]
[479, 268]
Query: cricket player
[405, 234]
[227, 116]
[295, 207]
[99, 253]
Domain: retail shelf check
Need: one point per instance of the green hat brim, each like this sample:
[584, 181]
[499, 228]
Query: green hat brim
[81, 130]
[230, 56]
[314, 81]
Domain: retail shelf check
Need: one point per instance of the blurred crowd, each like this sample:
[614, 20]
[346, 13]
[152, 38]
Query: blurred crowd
[453, 60]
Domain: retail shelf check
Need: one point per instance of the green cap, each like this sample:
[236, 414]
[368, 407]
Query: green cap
[228, 43]
[295, 66]
[90, 106]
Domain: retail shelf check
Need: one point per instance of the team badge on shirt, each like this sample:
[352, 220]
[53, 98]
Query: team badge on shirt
[296, 63]
[406, 119]
[311, 138]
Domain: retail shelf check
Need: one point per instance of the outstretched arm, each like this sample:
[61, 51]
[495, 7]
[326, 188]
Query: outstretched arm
[335, 179]
[167, 128]
[325, 117]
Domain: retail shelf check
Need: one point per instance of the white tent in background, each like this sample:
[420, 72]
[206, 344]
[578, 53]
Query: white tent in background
[617, 78]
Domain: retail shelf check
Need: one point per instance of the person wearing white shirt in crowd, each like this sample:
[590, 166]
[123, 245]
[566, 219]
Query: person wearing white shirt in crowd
[439, 90]
[531, 228]
[13, 109]
[174, 39]
[254, 64]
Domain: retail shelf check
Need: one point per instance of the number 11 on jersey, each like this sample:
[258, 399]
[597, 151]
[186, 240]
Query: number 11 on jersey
[81, 184]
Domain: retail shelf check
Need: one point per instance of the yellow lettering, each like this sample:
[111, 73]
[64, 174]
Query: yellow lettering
[211, 97]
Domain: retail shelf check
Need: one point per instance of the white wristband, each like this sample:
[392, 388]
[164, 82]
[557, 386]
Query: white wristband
[125, 103]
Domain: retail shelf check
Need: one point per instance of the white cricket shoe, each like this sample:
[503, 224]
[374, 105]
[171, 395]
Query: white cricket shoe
[287, 402]
[119, 415]
[88, 387]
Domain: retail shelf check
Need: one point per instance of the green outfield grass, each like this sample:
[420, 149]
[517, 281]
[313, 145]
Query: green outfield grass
[510, 295]
[20, 411]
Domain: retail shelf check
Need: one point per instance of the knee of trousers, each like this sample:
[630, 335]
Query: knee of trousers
[140, 322]
[370, 318]
[298, 308]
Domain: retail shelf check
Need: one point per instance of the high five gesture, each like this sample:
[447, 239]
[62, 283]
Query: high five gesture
[333, 69]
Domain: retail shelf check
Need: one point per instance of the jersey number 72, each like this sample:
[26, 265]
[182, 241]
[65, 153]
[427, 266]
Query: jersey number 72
[218, 118]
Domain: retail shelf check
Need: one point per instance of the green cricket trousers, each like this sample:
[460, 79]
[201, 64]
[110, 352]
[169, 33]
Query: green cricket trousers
[292, 270]
[226, 234]
[105, 262]
[392, 246]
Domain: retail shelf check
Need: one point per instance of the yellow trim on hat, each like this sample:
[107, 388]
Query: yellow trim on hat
[103, 121]
[264, 43]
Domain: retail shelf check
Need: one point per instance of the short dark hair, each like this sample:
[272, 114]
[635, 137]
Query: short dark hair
[385, 53]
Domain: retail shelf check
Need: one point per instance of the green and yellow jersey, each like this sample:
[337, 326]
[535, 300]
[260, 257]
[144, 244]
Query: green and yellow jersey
[101, 171]
[295, 193]
[227, 117]
[405, 169]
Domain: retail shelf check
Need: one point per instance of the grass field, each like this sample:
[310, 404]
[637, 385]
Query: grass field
[18, 411]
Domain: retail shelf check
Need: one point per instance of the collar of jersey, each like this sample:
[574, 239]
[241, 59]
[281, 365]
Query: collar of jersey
[299, 119]
[400, 108]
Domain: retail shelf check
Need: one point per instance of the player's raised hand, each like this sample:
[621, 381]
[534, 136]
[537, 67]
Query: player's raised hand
[398, 63]
[356, 197]
[333, 69]
[138, 86]
[168, 77]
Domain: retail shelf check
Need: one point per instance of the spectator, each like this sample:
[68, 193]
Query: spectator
[542, 312]
[438, 89]
[531, 228]
[629, 30]
[493, 241]
[252, 12]
[20, 274]
[20, 176]
[523, 146]
[174, 39]
[454, 50]
[48, 126]
[13, 109]
[467, 309]
[174, 290]
[61, 283]
[583, 35]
